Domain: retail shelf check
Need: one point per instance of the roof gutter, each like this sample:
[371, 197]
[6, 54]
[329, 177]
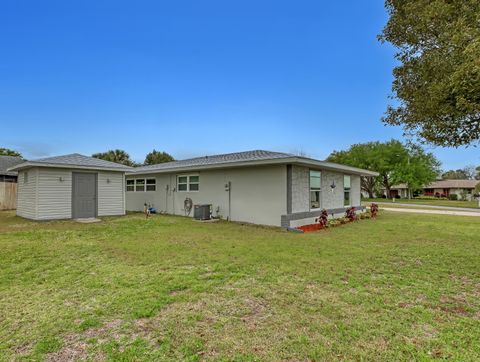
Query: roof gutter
[289, 160]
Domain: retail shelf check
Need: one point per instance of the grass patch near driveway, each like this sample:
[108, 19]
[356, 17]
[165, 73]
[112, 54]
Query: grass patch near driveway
[402, 287]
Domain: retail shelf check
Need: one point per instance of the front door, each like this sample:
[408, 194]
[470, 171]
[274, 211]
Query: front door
[84, 195]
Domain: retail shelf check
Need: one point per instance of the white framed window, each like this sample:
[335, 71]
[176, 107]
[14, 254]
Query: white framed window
[151, 184]
[130, 185]
[25, 177]
[139, 184]
[346, 191]
[188, 183]
[315, 189]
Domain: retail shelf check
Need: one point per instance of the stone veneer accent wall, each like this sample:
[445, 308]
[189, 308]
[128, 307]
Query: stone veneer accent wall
[331, 199]
[300, 188]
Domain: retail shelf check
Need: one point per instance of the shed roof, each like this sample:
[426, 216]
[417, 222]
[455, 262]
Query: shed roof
[74, 160]
[241, 159]
[9, 161]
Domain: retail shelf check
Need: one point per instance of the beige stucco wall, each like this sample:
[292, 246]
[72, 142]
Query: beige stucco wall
[258, 194]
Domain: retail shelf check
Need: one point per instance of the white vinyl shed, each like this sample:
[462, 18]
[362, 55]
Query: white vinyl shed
[70, 186]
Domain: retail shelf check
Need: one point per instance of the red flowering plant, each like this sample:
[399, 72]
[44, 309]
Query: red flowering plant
[323, 218]
[374, 210]
[350, 213]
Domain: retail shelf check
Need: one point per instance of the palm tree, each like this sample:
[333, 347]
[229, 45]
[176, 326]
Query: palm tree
[117, 156]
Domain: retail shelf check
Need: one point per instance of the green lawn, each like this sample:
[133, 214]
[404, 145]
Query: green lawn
[402, 287]
[453, 203]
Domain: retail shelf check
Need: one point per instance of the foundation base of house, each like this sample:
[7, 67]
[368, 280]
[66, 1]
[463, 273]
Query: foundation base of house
[308, 217]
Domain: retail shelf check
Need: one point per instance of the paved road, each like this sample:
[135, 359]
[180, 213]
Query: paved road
[431, 206]
[438, 212]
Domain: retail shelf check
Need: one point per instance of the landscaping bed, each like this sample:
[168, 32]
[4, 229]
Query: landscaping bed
[322, 222]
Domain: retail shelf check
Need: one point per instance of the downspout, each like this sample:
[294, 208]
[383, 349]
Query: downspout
[228, 188]
[173, 195]
[166, 198]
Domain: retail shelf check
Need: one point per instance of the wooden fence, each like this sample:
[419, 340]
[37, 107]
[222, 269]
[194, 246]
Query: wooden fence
[8, 195]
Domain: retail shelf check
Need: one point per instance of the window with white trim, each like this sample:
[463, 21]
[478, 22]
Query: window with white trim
[139, 185]
[130, 185]
[346, 191]
[151, 184]
[25, 177]
[315, 189]
[188, 183]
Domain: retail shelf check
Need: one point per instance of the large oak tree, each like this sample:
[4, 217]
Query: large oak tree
[395, 162]
[437, 82]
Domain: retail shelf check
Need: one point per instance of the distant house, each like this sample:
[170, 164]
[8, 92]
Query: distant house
[5, 163]
[260, 187]
[8, 182]
[441, 188]
[445, 188]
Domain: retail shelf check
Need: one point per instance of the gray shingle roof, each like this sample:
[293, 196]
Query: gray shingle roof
[257, 155]
[75, 160]
[9, 161]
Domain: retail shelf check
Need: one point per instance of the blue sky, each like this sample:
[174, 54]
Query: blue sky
[195, 77]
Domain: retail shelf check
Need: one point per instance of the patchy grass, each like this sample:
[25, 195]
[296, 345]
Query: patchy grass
[450, 203]
[402, 287]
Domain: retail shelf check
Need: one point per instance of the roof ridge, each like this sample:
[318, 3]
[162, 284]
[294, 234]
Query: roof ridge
[216, 156]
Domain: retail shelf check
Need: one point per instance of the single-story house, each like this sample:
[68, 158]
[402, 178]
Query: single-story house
[8, 182]
[445, 188]
[5, 163]
[70, 186]
[400, 190]
[439, 188]
[260, 187]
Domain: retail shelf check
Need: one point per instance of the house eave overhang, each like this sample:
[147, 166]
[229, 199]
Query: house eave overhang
[323, 165]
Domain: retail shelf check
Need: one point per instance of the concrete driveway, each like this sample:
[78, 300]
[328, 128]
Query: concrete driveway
[473, 212]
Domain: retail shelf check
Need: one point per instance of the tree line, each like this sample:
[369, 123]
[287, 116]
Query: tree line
[119, 156]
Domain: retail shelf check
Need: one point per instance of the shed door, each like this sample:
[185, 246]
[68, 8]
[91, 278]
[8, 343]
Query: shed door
[84, 195]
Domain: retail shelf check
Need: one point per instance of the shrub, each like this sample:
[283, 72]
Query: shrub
[453, 197]
[423, 197]
[350, 214]
[398, 197]
[333, 222]
[323, 218]
[374, 210]
[364, 215]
